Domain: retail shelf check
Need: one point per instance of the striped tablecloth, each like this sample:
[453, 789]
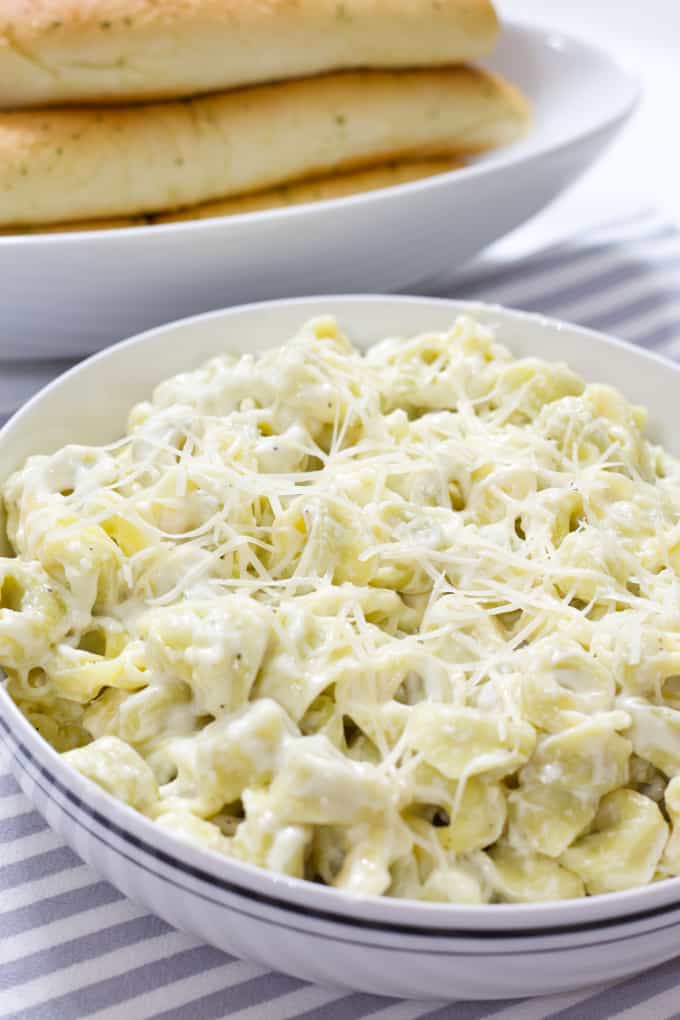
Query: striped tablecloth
[71, 946]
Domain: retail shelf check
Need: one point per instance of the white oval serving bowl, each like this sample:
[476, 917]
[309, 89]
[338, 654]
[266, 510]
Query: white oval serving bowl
[392, 947]
[72, 294]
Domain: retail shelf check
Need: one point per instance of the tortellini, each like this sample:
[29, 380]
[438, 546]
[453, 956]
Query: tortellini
[655, 734]
[462, 742]
[560, 788]
[520, 877]
[216, 647]
[405, 623]
[623, 850]
[32, 614]
[118, 769]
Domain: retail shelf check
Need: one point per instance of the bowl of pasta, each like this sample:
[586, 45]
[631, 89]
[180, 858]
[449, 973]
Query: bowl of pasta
[343, 633]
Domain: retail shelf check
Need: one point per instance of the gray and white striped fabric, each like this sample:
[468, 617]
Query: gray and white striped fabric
[71, 946]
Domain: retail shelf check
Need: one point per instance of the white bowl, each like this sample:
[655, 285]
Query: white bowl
[393, 947]
[72, 294]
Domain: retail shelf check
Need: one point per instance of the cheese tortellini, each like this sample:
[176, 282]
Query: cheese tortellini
[403, 622]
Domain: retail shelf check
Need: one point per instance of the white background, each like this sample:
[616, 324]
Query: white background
[642, 168]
